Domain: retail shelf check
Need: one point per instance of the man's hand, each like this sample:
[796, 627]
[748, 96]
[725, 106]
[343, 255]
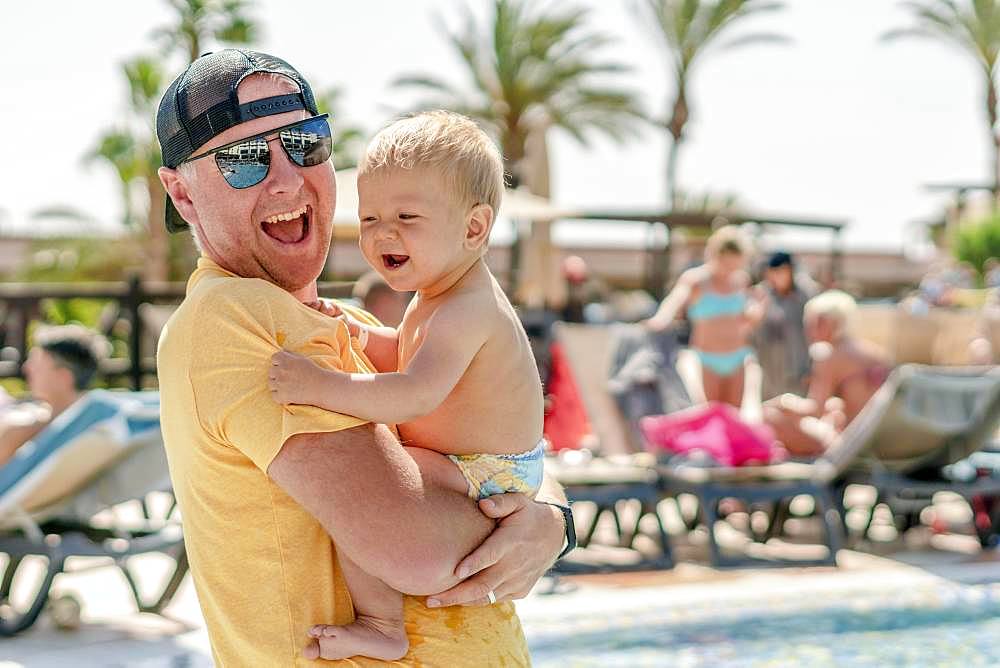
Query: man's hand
[516, 555]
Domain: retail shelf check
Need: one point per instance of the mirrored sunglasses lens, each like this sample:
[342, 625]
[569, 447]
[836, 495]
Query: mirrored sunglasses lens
[245, 164]
[308, 144]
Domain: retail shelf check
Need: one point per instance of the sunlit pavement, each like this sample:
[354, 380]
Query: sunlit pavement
[579, 624]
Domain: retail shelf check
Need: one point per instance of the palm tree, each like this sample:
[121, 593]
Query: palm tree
[975, 29]
[200, 22]
[131, 148]
[687, 30]
[133, 153]
[528, 71]
[348, 140]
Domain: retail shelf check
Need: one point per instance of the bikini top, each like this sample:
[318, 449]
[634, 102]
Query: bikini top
[713, 304]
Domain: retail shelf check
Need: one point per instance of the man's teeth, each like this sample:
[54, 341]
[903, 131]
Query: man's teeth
[291, 215]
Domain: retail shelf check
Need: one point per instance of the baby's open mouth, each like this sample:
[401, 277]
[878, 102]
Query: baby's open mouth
[394, 261]
[290, 227]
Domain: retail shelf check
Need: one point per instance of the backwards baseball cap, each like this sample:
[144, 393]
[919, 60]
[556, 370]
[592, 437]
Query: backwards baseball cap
[202, 103]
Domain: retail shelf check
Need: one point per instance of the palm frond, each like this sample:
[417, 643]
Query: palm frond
[756, 38]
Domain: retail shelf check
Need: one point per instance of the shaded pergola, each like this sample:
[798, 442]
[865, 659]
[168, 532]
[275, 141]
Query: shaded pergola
[657, 250]
[522, 208]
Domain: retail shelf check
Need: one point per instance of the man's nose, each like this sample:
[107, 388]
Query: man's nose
[284, 175]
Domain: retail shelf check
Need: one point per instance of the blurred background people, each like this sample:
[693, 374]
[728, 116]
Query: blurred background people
[61, 365]
[585, 294]
[846, 373]
[375, 296]
[715, 298]
[780, 339]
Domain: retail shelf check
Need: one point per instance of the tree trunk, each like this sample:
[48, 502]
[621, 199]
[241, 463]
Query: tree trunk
[675, 126]
[672, 200]
[991, 115]
[540, 284]
[158, 245]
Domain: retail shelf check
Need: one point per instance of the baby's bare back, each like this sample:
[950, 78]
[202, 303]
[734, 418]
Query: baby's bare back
[497, 405]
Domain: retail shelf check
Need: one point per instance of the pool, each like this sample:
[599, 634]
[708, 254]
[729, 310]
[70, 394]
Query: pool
[930, 622]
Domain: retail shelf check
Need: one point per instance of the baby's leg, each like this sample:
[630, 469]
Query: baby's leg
[437, 468]
[377, 631]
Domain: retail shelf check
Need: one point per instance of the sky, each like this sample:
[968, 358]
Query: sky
[836, 124]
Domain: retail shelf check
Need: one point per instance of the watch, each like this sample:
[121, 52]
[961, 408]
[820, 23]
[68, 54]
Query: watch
[567, 513]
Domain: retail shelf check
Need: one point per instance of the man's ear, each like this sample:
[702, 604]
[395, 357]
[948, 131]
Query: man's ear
[478, 226]
[67, 376]
[177, 190]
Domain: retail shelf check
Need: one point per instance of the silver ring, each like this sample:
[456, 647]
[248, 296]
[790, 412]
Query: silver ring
[491, 596]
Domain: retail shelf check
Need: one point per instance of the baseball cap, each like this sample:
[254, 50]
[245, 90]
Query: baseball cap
[202, 102]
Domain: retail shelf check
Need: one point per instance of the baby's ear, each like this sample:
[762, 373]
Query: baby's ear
[478, 226]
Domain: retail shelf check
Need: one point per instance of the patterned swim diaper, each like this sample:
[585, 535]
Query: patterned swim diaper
[495, 474]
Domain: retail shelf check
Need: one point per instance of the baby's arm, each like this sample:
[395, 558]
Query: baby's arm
[454, 334]
[380, 343]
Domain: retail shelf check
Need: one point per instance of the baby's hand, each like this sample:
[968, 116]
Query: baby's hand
[326, 307]
[288, 376]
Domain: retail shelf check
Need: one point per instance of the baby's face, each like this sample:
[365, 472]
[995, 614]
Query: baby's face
[412, 227]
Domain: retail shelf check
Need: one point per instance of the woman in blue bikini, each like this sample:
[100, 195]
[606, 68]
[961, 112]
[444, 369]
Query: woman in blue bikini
[715, 296]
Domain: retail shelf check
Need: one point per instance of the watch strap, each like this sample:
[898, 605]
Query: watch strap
[567, 513]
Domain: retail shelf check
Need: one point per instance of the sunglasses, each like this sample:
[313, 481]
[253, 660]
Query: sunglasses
[244, 163]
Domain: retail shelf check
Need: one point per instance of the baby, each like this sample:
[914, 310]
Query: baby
[458, 377]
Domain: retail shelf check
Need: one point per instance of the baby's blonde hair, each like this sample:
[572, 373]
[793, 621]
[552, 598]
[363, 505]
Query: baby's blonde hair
[834, 305]
[446, 141]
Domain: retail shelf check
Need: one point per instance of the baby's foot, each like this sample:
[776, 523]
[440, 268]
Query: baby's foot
[367, 636]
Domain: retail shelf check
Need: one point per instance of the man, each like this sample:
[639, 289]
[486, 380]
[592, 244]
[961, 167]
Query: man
[59, 368]
[263, 487]
[780, 338]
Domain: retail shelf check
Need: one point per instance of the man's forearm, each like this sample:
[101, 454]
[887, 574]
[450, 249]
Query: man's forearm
[370, 496]
[551, 491]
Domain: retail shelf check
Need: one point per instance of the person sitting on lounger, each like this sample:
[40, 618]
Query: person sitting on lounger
[846, 372]
[61, 365]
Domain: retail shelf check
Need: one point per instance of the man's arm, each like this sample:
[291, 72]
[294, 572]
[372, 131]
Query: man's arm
[405, 532]
[14, 437]
[529, 536]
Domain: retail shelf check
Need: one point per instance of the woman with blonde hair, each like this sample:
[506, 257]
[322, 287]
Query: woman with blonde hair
[715, 297]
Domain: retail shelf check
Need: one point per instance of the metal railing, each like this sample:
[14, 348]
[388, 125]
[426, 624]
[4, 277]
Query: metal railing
[21, 304]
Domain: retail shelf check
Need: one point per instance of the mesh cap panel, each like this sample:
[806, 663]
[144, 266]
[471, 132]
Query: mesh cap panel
[202, 102]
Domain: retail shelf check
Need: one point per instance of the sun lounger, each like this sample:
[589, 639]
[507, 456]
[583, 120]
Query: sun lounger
[777, 484]
[613, 476]
[940, 416]
[921, 418]
[94, 458]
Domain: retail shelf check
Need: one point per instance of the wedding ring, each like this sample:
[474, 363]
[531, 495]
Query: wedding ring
[491, 596]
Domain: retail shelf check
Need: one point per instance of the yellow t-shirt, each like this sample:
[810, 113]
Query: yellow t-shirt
[264, 568]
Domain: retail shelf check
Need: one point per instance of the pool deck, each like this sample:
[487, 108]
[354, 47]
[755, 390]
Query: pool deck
[584, 611]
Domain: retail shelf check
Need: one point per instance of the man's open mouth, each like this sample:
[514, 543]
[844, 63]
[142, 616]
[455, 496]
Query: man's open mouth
[394, 261]
[289, 227]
